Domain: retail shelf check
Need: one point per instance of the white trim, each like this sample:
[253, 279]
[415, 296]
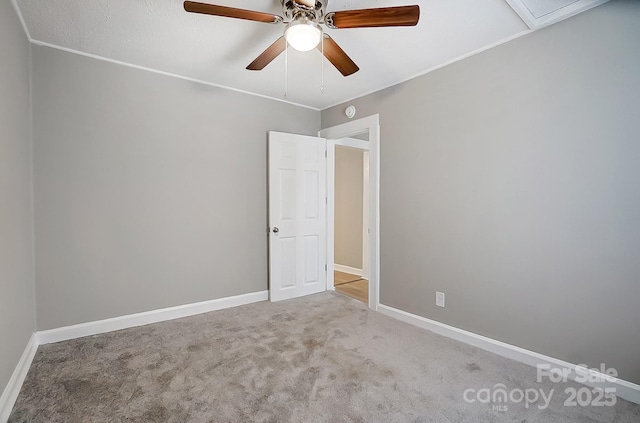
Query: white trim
[336, 135]
[10, 394]
[24, 26]
[147, 317]
[331, 160]
[624, 389]
[550, 18]
[365, 214]
[353, 143]
[330, 200]
[442, 65]
[174, 75]
[347, 269]
[94, 56]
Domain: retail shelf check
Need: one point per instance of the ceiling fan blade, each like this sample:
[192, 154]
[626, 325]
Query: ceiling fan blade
[338, 57]
[230, 12]
[385, 16]
[268, 55]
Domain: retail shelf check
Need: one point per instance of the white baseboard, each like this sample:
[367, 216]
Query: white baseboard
[10, 394]
[347, 269]
[623, 389]
[147, 317]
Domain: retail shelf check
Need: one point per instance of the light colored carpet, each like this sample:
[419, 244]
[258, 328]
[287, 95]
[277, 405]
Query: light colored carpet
[321, 358]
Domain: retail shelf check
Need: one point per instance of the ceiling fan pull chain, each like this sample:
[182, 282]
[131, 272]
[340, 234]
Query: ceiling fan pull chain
[286, 69]
[322, 65]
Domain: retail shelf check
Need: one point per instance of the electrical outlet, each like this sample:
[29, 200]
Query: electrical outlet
[440, 299]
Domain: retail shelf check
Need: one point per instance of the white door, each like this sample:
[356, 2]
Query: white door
[297, 215]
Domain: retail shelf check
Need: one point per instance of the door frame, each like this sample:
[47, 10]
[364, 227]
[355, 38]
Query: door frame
[363, 147]
[336, 135]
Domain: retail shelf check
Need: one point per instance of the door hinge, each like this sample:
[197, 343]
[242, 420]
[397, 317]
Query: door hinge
[326, 200]
[325, 267]
[325, 153]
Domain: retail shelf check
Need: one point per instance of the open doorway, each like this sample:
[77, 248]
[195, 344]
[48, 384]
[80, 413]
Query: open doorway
[362, 135]
[351, 225]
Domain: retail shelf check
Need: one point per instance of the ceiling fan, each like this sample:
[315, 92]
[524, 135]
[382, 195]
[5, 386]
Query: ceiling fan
[303, 31]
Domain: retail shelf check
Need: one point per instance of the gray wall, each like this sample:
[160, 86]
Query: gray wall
[17, 306]
[150, 191]
[511, 181]
[348, 207]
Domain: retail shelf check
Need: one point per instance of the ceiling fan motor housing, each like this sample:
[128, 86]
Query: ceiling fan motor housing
[293, 9]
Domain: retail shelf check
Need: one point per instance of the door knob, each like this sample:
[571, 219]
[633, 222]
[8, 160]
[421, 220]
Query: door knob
[275, 230]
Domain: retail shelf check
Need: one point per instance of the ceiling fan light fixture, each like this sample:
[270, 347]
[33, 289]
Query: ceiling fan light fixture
[303, 34]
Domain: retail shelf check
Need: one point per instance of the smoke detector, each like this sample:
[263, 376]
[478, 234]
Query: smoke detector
[350, 111]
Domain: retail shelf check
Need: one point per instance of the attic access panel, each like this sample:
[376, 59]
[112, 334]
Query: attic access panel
[540, 13]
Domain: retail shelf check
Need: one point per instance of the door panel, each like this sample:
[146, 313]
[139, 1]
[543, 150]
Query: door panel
[297, 215]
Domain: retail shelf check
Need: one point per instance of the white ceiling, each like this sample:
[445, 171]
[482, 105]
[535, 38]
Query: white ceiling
[160, 35]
